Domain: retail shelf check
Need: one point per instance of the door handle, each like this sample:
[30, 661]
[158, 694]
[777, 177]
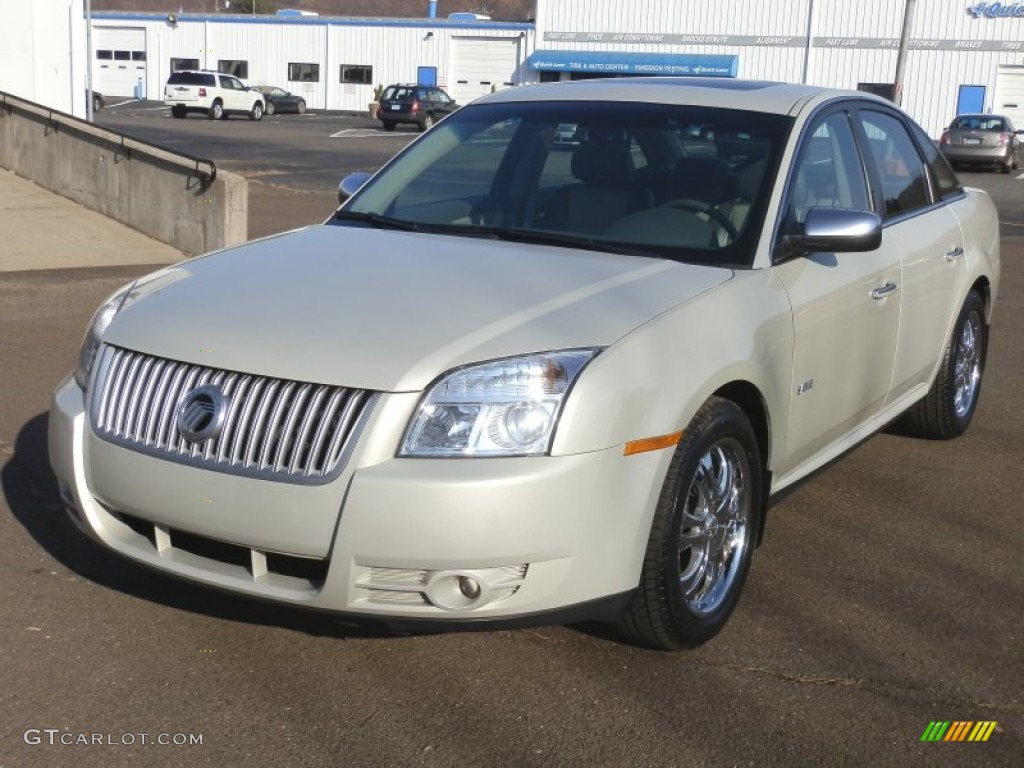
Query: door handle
[955, 254]
[882, 291]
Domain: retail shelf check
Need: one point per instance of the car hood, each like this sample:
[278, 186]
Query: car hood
[390, 311]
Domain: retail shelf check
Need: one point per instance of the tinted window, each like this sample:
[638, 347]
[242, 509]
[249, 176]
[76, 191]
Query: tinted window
[904, 187]
[944, 181]
[356, 73]
[191, 78]
[304, 73]
[179, 64]
[828, 173]
[234, 67]
[987, 123]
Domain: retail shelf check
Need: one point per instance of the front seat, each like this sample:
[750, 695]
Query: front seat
[605, 191]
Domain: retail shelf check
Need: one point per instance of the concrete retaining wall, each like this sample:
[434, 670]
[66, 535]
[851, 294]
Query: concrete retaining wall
[156, 191]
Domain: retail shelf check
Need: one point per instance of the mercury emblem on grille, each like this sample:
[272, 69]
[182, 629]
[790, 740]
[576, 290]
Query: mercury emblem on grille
[201, 413]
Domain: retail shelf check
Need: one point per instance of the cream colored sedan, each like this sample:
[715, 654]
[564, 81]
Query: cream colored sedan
[513, 382]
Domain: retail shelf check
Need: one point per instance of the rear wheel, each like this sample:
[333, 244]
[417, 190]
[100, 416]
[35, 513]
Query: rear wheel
[1006, 166]
[216, 111]
[256, 113]
[178, 112]
[702, 537]
[270, 108]
[389, 125]
[427, 122]
[947, 409]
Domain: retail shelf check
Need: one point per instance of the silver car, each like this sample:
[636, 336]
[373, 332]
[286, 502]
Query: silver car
[982, 140]
[511, 384]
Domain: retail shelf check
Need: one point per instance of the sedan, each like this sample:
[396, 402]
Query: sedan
[507, 385]
[982, 140]
[279, 100]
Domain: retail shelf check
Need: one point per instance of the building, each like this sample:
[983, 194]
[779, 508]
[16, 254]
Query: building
[964, 55]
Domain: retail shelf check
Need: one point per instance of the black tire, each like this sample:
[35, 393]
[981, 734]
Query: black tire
[947, 409]
[97, 103]
[301, 108]
[256, 113]
[270, 108]
[426, 123]
[178, 113]
[389, 125]
[216, 111]
[682, 601]
[1007, 166]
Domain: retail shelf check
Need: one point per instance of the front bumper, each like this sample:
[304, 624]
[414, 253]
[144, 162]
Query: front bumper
[442, 541]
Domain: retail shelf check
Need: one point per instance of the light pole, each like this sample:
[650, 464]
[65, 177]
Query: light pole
[88, 61]
[901, 57]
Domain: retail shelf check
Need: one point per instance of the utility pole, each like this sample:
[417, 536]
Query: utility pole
[88, 61]
[901, 57]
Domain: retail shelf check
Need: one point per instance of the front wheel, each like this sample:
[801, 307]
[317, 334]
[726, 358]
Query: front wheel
[702, 537]
[947, 409]
[270, 108]
[256, 113]
[301, 108]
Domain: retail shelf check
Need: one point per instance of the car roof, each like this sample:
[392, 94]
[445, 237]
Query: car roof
[754, 95]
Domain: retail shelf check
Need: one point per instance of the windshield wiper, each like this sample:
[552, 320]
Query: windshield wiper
[541, 237]
[376, 220]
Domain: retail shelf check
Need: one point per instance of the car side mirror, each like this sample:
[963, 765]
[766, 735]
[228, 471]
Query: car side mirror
[351, 184]
[836, 230]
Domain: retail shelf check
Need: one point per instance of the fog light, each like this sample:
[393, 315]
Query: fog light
[469, 587]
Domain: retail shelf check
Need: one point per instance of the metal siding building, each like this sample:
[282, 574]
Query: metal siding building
[953, 44]
[964, 54]
[307, 55]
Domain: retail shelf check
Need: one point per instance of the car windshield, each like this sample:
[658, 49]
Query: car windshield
[672, 181]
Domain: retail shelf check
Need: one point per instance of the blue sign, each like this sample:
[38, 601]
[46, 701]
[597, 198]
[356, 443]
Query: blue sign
[616, 62]
[996, 10]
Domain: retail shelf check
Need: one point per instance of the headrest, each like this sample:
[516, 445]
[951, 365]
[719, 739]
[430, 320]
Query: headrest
[603, 165]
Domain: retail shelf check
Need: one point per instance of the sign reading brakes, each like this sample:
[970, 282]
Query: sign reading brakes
[996, 10]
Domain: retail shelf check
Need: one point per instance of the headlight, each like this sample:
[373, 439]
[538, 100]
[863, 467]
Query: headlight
[504, 407]
[94, 333]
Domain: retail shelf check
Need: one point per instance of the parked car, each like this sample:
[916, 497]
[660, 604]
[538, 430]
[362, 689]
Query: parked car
[505, 385]
[279, 100]
[213, 94]
[982, 140]
[420, 105]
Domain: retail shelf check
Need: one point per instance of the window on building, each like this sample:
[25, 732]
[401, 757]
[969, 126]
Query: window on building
[885, 90]
[105, 55]
[550, 77]
[357, 73]
[138, 55]
[304, 73]
[178, 65]
[236, 67]
[122, 55]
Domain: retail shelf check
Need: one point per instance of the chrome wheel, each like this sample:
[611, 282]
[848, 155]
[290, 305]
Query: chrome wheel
[967, 366]
[715, 530]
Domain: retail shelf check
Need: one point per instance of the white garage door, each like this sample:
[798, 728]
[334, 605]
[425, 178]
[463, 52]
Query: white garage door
[481, 65]
[1009, 98]
[119, 60]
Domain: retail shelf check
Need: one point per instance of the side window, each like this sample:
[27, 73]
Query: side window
[904, 186]
[944, 181]
[829, 173]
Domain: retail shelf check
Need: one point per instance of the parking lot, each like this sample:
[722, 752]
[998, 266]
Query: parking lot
[887, 593]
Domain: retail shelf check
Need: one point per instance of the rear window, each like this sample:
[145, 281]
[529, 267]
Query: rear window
[979, 123]
[191, 78]
[398, 93]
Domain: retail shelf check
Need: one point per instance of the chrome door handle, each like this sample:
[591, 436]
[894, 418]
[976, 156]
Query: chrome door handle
[883, 291]
[955, 254]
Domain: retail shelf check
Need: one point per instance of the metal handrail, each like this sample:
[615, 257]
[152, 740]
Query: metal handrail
[53, 114]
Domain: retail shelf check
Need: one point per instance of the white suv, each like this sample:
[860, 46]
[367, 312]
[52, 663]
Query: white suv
[212, 93]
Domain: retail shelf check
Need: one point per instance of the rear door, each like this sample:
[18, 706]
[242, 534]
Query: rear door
[922, 229]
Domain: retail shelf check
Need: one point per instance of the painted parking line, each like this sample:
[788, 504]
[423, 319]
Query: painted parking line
[368, 133]
[1020, 177]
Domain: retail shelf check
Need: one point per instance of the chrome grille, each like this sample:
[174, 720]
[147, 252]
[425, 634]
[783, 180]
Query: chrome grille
[273, 428]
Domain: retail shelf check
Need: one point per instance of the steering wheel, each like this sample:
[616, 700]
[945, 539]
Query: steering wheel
[699, 206]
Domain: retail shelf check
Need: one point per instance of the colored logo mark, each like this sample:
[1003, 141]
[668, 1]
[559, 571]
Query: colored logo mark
[958, 730]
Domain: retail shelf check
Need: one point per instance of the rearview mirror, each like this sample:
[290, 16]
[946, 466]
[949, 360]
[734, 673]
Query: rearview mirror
[836, 230]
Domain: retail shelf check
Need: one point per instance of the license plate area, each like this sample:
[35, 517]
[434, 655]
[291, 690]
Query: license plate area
[972, 142]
